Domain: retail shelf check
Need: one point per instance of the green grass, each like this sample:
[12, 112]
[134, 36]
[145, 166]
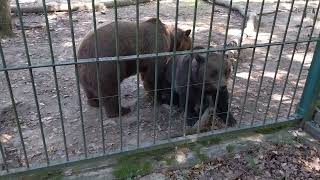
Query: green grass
[201, 157]
[197, 150]
[273, 128]
[138, 164]
[45, 175]
[131, 168]
[250, 161]
[170, 160]
[230, 148]
[213, 140]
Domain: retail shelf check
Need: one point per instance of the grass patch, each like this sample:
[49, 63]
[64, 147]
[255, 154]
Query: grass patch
[131, 168]
[45, 175]
[138, 164]
[170, 160]
[153, 153]
[213, 140]
[273, 128]
[196, 148]
[268, 129]
[251, 163]
[201, 156]
[230, 148]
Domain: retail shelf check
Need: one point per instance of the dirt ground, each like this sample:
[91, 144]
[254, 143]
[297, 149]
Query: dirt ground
[269, 161]
[15, 55]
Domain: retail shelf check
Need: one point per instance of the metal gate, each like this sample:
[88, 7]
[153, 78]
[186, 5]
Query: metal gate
[276, 84]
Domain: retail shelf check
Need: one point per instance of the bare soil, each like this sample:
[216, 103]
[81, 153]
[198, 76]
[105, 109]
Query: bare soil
[38, 46]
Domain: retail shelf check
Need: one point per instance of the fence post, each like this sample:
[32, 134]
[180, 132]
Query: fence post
[312, 87]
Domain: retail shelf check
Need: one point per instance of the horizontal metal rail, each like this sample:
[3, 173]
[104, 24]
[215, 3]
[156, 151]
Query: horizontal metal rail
[145, 56]
[147, 147]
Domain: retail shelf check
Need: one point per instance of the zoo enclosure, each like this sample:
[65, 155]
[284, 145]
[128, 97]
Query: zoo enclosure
[304, 110]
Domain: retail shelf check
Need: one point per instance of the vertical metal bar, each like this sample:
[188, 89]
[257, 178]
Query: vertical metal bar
[237, 62]
[98, 74]
[189, 69]
[55, 79]
[118, 70]
[251, 62]
[303, 61]
[173, 69]
[265, 60]
[14, 106]
[279, 58]
[3, 157]
[77, 78]
[292, 57]
[155, 104]
[32, 81]
[221, 65]
[311, 88]
[138, 79]
[206, 61]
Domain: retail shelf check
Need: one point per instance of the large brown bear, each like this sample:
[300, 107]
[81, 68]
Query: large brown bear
[127, 46]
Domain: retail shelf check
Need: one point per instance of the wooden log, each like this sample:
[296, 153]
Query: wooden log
[38, 8]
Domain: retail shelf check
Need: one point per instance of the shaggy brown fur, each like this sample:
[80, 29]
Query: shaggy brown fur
[127, 46]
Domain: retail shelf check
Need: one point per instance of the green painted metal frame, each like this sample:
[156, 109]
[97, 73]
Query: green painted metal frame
[293, 119]
[144, 56]
[312, 87]
[304, 110]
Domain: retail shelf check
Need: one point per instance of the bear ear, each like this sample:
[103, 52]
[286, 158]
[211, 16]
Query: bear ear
[187, 32]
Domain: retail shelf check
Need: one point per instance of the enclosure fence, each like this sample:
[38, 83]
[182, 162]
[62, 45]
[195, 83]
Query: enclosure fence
[303, 111]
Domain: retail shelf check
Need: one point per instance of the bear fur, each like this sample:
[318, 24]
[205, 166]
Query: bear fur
[106, 47]
[211, 84]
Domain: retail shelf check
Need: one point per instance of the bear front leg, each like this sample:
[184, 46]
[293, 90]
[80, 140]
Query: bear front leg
[205, 104]
[222, 107]
[192, 115]
[182, 99]
[110, 100]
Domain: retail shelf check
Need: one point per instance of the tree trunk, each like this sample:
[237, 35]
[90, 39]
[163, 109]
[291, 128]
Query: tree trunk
[5, 18]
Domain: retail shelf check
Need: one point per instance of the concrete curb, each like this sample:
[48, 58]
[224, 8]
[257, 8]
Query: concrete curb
[314, 131]
[63, 7]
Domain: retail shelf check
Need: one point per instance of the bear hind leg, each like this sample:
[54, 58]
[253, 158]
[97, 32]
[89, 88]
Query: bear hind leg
[92, 99]
[111, 105]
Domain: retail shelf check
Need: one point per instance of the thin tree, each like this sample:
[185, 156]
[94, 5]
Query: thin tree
[5, 18]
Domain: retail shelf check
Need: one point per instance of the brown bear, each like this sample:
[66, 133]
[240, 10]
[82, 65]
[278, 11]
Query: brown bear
[127, 46]
[196, 79]
[183, 42]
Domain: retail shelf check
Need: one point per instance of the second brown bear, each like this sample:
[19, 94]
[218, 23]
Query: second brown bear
[106, 47]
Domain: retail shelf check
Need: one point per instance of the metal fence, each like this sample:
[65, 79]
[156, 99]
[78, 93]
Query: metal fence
[67, 156]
